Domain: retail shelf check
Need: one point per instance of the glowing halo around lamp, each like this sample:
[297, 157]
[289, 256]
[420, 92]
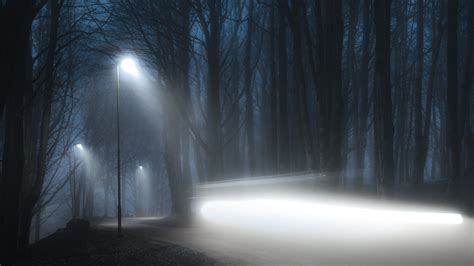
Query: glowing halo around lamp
[128, 65]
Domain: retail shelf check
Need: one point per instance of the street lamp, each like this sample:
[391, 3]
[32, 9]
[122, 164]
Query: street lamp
[79, 146]
[128, 65]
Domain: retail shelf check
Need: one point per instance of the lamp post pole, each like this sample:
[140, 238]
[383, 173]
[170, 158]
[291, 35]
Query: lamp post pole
[119, 201]
[127, 65]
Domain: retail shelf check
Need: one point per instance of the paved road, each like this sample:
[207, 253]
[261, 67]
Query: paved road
[415, 245]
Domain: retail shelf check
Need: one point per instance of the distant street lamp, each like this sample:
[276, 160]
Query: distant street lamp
[128, 65]
[79, 146]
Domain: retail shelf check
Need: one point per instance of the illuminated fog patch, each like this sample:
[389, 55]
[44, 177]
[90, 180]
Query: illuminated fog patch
[288, 214]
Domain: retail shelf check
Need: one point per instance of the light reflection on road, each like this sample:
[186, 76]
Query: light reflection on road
[411, 245]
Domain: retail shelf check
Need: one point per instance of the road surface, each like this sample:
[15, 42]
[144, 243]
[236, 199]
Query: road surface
[415, 245]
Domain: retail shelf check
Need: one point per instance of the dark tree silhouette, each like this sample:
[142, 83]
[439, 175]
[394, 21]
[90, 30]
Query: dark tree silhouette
[383, 103]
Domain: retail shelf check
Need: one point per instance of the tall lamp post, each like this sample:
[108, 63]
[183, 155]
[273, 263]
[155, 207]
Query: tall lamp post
[127, 65]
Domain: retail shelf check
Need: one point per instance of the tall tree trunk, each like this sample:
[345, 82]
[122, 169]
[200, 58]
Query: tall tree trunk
[79, 196]
[282, 121]
[465, 113]
[435, 47]
[294, 16]
[173, 173]
[452, 97]
[184, 61]
[171, 139]
[316, 77]
[213, 92]
[401, 88]
[418, 166]
[350, 90]
[363, 96]
[248, 93]
[38, 225]
[15, 26]
[273, 165]
[88, 207]
[106, 195]
[33, 195]
[383, 124]
[330, 104]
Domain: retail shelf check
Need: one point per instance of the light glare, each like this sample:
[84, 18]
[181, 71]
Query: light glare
[79, 146]
[128, 65]
[252, 211]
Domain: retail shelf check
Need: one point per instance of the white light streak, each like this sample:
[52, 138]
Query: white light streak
[296, 212]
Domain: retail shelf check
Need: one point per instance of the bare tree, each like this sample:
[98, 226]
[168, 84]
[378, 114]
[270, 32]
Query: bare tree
[452, 98]
[363, 93]
[383, 103]
[295, 15]
[330, 91]
[419, 163]
[249, 121]
[15, 19]
[282, 103]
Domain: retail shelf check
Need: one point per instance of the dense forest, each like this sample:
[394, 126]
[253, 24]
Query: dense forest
[375, 94]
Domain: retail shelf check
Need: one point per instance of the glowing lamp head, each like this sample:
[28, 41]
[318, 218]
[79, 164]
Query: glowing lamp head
[140, 167]
[79, 146]
[128, 65]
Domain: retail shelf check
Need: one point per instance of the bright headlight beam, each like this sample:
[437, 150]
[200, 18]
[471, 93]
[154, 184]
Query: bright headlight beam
[307, 211]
